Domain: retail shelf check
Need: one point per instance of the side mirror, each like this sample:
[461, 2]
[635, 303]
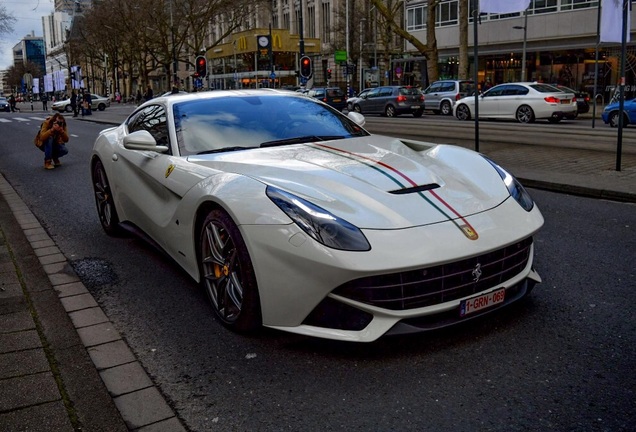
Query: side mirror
[357, 118]
[142, 140]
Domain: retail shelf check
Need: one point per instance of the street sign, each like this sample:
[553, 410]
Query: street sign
[398, 72]
[340, 56]
[272, 75]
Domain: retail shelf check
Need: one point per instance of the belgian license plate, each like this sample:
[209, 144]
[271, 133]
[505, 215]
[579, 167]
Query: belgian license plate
[565, 101]
[478, 303]
[415, 106]
[337, 100]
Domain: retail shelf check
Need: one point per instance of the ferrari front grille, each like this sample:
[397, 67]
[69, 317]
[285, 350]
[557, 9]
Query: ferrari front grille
[434, 285]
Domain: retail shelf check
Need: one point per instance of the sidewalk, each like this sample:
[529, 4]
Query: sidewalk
[64, 367]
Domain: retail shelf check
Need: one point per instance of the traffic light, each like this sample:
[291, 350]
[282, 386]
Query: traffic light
[328, 74]
[305, 67]
[201, 68]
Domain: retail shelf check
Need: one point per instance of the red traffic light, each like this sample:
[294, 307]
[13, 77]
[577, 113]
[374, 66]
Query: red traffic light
[201, 66]
[305, 67]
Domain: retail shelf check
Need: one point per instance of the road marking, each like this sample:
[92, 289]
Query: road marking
[74, 136]
[38, 118]
[21, 119]
[2, 120]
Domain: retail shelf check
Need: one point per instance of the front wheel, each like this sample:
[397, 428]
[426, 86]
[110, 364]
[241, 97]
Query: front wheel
[357, 108]
[68, 108]
[462, 112]
[525, 114]
[101, 107]
[104, 199]
[227, 273]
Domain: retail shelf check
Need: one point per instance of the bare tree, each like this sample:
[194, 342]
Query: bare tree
[6, 21]
[389, 10]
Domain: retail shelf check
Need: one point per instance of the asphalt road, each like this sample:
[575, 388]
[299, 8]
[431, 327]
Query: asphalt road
[562, 360]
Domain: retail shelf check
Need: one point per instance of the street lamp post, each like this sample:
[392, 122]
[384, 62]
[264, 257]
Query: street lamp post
[525, 38]
[360, 87]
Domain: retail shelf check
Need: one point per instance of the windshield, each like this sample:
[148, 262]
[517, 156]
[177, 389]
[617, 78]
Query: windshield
[244, 122]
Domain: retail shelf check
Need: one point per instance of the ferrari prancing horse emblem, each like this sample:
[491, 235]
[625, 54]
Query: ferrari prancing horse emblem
[169, 170]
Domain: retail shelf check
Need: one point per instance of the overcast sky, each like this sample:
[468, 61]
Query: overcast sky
[28, 15]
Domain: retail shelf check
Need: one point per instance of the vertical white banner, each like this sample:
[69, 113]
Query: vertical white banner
[36, 85]
[612, 21]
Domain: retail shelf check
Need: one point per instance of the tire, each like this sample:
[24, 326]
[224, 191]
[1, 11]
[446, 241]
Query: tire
[525, 114]
[446, 108]
[463, 112]
[613, 119]
[68, 108]
[389, 111]
[554, 119]
[227, 274]
[357, 109]
[101, 107]
[418, 113]
[104, 200]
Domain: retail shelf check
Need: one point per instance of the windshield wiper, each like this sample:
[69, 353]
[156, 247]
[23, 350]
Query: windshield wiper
[300, 140]
[224, 149]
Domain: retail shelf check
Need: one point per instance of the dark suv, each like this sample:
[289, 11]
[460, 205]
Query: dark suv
[332, 96]
[391, 101]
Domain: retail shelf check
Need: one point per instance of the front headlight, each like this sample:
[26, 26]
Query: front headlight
[516, 189]
[318, 223]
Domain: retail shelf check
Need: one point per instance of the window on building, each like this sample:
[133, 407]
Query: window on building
[578, 4]
[311, 18]
[446, 13]
[326, 22]
[544, 6]
[416, 18]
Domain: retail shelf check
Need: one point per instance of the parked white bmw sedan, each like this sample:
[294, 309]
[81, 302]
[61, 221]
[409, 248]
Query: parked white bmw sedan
[525, 102]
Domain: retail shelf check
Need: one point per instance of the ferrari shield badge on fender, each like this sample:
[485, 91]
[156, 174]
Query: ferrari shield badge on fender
[169, 170]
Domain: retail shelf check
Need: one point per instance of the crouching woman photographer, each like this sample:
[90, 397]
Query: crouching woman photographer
[53, 135]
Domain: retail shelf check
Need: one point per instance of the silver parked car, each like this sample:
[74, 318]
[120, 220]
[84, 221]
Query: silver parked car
[440, 96]
[97, 103]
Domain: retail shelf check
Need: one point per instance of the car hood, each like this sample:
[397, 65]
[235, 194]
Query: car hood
[374, 182]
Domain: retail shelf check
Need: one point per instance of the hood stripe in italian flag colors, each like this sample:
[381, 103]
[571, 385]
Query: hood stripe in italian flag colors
[394, 175]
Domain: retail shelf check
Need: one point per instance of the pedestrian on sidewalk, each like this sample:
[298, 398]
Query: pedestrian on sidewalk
[12, 103]
[52, 140]
[45, 100]
[149, 94]
[138, 97]
[74, 103]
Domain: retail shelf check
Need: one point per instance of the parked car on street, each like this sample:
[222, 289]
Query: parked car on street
[610, 114]
[352, 100]
[97, 103]
[440, 96]
[4, 104]
[523, 101]
[391, 101]
[292, 216]
[582, 98]
[332, 96]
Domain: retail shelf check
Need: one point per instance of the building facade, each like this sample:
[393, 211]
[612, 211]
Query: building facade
[560, 44]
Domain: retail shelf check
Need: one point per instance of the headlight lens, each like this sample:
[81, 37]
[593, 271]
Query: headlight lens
[318, 223]
[517, 191]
